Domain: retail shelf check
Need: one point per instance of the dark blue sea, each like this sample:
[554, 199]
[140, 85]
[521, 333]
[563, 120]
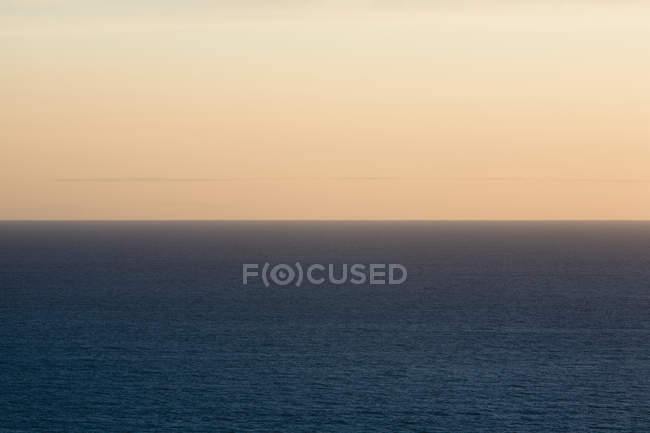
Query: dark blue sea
[500, 327]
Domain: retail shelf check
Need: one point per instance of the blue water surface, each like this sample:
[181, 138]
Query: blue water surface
[500, 327]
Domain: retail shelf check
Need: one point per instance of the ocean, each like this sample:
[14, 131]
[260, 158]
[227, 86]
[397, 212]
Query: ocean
[499, 327]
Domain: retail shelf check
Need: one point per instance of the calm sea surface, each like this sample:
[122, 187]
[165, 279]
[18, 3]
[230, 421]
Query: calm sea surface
[501, 327]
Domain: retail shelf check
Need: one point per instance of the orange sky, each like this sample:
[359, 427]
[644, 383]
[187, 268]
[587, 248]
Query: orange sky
[336, 110]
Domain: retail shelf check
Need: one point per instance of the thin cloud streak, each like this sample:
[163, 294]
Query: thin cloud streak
[140, 179]
[168, 179]
[490, 179]
[346, 179]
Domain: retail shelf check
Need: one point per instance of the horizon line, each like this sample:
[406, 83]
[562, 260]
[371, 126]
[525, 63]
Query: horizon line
[322, 220]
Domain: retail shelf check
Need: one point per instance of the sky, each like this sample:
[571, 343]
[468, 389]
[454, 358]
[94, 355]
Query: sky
[285, 109]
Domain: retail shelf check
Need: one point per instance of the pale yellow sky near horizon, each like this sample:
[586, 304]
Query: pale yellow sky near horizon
[324, 110]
